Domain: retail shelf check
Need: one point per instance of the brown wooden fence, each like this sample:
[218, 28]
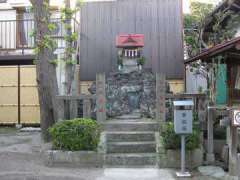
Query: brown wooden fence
[18, 95]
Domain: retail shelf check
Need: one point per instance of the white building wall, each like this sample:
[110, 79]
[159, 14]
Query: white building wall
[194, 82]
[8, 30]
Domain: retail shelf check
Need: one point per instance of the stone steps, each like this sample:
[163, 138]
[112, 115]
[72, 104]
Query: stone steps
[130, 142]
[128, 117]
[131, 147]
[130, 125]
[128, 136]
[131, 160]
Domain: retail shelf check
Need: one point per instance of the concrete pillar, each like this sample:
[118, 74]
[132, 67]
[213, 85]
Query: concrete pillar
[86, 108]
[233, 157]
[239, 165]
[210, 153]
[101, 97]
[73, 106]
[160, 97]
[61, 110]
[202, 115]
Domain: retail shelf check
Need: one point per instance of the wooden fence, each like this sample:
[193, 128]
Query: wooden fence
[77, 106]
[81, 105]
[19, 102]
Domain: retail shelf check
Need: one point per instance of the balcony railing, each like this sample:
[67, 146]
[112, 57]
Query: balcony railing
[17, 34]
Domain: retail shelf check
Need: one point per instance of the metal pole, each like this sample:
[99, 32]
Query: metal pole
[183, 154]
[19, 94]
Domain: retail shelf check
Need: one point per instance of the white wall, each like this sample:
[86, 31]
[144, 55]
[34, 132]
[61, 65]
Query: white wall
[8, 30]
[193, 82]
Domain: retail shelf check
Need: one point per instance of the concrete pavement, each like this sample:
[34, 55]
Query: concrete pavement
[20, 160]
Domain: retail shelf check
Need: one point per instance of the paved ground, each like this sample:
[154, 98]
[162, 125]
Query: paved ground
[20, 160]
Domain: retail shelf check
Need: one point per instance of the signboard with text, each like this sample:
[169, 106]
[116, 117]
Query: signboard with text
[183, 121]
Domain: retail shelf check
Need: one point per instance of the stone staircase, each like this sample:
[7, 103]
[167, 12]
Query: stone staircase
[130, 142]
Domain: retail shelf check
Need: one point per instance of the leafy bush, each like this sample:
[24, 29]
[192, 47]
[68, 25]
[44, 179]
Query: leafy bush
[75, 135]
[173, 141]
[170, 139]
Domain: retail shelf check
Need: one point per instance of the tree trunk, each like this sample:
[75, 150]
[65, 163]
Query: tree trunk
[46, 72]
[69, 67]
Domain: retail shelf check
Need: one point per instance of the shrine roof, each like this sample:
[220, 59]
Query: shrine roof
[232, 47]
[130, 40]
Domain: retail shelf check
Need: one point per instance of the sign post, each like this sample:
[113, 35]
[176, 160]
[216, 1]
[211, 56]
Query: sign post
[183, 172]
[183, 126]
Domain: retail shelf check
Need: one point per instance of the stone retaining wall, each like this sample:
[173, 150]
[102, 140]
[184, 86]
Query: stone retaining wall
[56, 158]
[172, 158]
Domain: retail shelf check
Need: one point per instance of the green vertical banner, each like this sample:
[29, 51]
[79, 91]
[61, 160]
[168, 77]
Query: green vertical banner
[221, 96]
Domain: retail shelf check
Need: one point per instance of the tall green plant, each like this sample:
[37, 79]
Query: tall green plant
[223, 31]
[193, 25]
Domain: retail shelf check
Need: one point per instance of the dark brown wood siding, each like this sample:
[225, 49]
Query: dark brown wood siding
[159, 20]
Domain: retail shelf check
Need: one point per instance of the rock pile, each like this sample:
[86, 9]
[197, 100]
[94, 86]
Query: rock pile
[128, 92]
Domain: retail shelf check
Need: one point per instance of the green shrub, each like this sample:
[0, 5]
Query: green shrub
[75, 135]
[170, 139]
[173, 141]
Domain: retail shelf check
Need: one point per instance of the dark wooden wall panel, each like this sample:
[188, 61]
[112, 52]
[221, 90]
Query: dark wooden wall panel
[159, 20]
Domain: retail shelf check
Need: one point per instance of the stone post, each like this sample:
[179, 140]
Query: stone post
[61, 110]
[86, 108]
[238, 165]
[202, 114]
[73, 108]
[233, 158]
[101, 97]
[160, 98]
[210, 153]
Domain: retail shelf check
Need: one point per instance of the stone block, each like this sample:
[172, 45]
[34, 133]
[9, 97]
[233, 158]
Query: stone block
[130, 136]
[169, 158]
[172, 159]
[57, 158]
[212, 171]
[130, 126]
[129, 160]
[131, 147]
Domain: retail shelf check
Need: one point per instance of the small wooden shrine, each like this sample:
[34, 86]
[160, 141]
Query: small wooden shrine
[130, 56]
